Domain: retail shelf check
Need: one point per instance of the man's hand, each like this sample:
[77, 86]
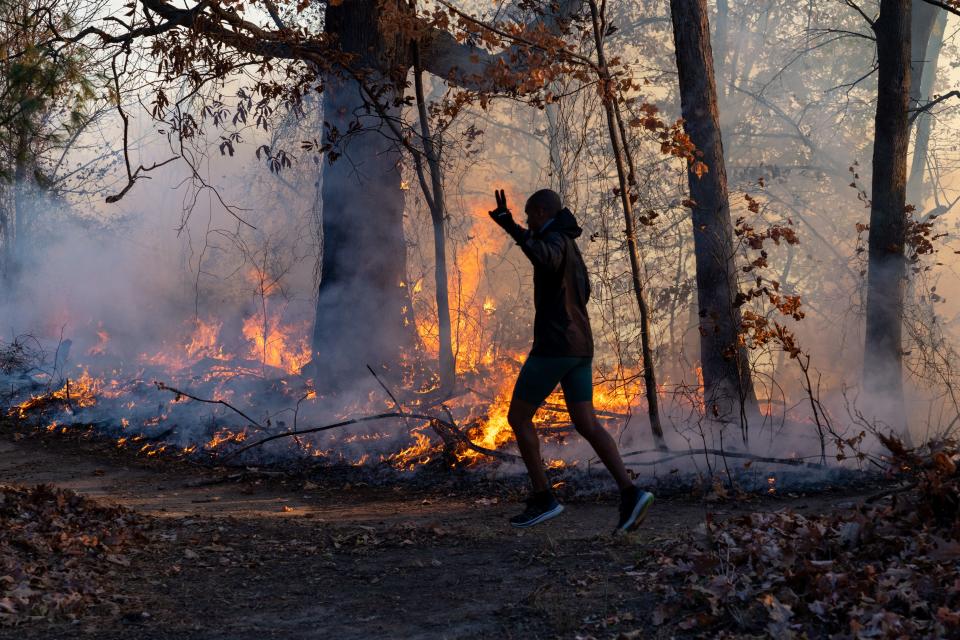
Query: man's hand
[501, 215]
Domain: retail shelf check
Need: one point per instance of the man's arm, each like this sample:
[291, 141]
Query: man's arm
[546, 251]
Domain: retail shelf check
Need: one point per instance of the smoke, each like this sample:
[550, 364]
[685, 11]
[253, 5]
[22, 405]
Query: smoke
[182, 286]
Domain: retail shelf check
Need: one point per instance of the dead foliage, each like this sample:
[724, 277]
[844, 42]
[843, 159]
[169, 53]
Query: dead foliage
[18, 355]
[58, 551]
[885, 569]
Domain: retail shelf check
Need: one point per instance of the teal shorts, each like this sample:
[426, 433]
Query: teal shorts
[540, 375]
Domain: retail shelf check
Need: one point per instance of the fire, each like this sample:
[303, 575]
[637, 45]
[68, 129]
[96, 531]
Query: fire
[204, 341]
[416, 454]
[101, 347]
[223, 436]
[494, 431]
[274, 345]
[209, 353]
[470, 313]
[80, 392]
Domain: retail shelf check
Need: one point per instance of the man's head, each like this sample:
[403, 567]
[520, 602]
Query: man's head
[541, 207]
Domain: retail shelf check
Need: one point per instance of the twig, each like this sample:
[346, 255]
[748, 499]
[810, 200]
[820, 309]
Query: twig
[165, 387]
[69, 403]
[916, 112]
[396, 403]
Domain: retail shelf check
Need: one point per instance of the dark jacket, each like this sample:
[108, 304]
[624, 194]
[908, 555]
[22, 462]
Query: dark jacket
[560, 288]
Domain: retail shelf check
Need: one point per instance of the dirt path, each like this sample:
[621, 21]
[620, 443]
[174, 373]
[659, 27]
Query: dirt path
[253, 557]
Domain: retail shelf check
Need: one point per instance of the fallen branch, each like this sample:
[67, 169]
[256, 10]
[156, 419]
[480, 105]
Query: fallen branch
[450, 427]
[601, 413]
[458, 434]
[165, 387]
[794, 462]
[396, 403]
[379, 416]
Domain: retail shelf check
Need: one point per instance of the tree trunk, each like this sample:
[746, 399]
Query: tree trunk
[883, 349]
[362, 308]
[927, 40]
[720, 38]
[623, 160]
[558, 174]
[6, 256]
[22, 207]
[728, 388]
[436, 200]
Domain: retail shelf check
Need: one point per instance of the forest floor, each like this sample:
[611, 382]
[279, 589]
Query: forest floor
[241, 554]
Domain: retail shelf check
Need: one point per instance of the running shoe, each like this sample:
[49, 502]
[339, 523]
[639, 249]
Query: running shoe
[540, 508]
[634, 505]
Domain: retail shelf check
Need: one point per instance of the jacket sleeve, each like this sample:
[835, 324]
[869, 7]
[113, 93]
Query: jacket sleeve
[546, 251]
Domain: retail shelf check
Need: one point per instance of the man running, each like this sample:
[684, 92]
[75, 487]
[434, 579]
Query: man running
[562, 353]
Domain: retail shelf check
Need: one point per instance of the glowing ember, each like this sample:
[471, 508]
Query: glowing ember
[225, 435]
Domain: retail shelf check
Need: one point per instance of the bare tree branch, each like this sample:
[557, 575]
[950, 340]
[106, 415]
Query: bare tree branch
[949, 6]
[916, 112]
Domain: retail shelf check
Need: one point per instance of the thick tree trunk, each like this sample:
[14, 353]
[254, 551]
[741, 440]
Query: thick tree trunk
[728, 387]
[927, 29]
[362, 306]
[883, 349]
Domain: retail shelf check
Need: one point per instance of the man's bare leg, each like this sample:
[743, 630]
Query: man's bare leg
[520, 418]
[585, 420]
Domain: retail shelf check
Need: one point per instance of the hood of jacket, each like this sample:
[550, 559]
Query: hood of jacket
[565, 223]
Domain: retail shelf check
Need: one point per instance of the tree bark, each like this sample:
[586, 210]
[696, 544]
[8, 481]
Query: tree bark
[362, 306]
[6, 255]
[883, 349]
[624, 160]
[728, 386]
[436, 200]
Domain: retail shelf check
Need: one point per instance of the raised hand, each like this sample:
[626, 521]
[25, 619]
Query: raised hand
[502, 216]
[502, 213]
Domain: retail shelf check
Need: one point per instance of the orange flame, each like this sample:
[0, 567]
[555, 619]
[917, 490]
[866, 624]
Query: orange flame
[274, 345]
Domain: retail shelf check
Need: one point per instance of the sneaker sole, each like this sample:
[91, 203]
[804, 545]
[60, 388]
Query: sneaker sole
[543, 517]
[639, 513]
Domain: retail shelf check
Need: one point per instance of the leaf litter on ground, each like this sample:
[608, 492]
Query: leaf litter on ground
[57, 552]
[886, 569]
